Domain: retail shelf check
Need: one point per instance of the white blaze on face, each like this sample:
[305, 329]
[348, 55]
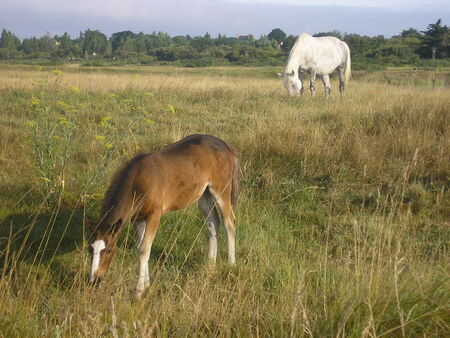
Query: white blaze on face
[97, 247]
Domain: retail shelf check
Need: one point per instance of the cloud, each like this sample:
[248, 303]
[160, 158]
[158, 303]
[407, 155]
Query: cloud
[387, 4]
[196, 17]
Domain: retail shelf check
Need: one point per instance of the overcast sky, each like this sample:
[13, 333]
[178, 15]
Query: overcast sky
[28, 18]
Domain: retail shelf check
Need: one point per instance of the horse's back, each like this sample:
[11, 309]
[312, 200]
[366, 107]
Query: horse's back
[324, 54]
[203, 150]
[181, 171]
[202, 142]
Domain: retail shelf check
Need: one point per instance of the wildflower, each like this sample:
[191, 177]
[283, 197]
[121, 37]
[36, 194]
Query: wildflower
[100, 137]
[74, 89]
[63, 121]
[150, 122]
[108, 145]
[35, 102]
[30, 123]
[104, 122]
[57, 72]
[62, 104]
[135, 77]
[171, 108]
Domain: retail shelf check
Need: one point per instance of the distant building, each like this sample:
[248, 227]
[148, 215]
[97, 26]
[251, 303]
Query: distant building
[248, 37]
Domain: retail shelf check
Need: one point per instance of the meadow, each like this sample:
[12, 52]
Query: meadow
[343, 224]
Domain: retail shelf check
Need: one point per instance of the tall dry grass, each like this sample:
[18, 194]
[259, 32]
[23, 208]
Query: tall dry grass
[343, 225]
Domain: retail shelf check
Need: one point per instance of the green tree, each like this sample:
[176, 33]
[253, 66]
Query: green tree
[139, 43]
[44, 47]
[334, 33]
[289, 43]
[119, 38]
[47, 43]
[277, 34]
[94, 42]
[9, 43]
[30, 45]
[156, 40]
[180, 40]
[411, 33]
[396, 50]
[64, 44]
[359, 45]
[435, 39]
[202, 43]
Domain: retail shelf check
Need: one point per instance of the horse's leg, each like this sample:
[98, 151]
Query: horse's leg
[145, 247]
[229, 221]
[301, 78]
[224, 203]
[341, 80]
[312, 81]
[206, 204]
[140, 226]
[326, 84]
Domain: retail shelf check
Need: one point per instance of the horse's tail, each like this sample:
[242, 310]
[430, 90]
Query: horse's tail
[235, 182]
[348, 66]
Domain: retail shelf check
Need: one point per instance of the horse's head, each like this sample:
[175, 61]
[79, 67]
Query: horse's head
[102, 248]
[292, 83]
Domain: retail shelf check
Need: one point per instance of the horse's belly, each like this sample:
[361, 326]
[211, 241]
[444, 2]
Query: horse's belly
[326, 62]
[327, 68]
[183, 194]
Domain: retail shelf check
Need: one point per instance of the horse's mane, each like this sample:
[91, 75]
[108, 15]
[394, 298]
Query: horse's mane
[118, 185]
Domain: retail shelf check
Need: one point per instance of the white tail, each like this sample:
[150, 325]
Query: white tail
[348, 66]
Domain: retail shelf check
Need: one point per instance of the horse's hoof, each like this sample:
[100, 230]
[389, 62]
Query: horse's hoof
[138, 294]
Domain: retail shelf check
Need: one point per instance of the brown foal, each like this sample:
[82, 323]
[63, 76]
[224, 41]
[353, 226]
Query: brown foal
[199, 168]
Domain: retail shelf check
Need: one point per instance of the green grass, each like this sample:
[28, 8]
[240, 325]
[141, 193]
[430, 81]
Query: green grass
[343, 226]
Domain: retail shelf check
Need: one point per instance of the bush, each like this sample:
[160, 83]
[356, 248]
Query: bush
[204, 62]
[364, 63]
[92, 63]
[8, 54]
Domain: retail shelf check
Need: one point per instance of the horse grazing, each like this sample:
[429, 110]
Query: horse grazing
[317, 56]
[199, 168]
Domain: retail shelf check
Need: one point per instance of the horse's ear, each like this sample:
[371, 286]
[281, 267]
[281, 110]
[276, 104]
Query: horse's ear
[292, 73]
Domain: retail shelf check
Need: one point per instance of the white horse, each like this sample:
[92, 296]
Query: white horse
[317, 56]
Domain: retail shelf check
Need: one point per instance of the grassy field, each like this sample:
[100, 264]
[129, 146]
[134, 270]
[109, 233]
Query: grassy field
[343, 224]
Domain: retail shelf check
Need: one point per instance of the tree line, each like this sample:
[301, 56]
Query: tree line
[409, 47]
